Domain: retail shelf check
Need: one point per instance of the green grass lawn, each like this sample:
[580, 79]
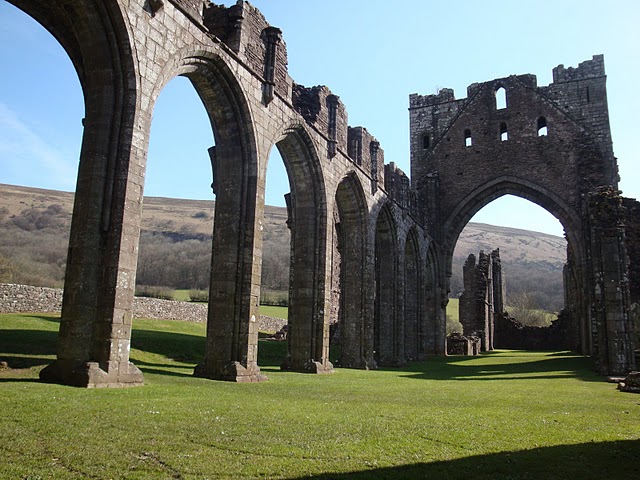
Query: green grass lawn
[453, 308]
[518, 415]
[274, 311]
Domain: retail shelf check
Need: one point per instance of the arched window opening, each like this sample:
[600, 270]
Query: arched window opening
[175, 250]
[426, 143]
[542, 127]
[468, 141]
[504, 134]
[276, 237]
[501, 98]
[522, 218]
[40, 139]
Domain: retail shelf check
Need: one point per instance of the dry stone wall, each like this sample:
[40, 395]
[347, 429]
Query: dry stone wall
[28, 299]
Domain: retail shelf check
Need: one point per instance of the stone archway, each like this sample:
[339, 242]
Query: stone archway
[356, 333]
[542, 197]
[232, 337]
[308, 335]
[550, 145]
[415, 321]
[388, 329]
[95, 331]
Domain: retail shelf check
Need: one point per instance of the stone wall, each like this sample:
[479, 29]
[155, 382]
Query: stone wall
[511, 335]
[482, 297]
[28, 299]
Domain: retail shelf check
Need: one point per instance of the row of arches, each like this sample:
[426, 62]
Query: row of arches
[96, 320]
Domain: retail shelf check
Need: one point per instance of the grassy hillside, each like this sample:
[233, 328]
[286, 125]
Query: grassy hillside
[501, 415]
[175, 246]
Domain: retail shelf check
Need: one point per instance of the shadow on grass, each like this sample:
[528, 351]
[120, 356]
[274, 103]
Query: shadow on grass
[180, 347]
[555, 365]
[25, 348]
[605, 460]
[189, 349]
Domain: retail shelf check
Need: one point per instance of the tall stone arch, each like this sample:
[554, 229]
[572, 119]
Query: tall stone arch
[388, 327]
[308, 334]
[551, 145]
[232, 335]
[95, 330]
[415, 316]
[356, 329]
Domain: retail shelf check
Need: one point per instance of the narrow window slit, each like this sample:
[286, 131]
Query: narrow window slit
[501, 98]
[467, 138]
[542, 127]
[504, 134]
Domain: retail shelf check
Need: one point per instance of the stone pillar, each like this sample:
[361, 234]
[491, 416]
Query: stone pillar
[309, 290]
[95, 329]
[231, 351]
[612, 329]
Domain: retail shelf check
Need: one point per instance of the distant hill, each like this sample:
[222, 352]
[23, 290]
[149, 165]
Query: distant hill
[176, 242]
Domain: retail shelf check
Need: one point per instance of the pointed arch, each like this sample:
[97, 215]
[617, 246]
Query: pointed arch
[519, 187]
[308, 334]
[356, 346]
[95, 333]
[414, 331]
[387, 326]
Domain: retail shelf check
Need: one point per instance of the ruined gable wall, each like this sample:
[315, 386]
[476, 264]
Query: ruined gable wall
[562, 161]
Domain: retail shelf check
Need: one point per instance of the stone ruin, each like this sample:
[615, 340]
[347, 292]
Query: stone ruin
[458, 344]
[370, 248]
[482, 298]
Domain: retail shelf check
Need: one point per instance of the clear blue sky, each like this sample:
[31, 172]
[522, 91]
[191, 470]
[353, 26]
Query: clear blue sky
[372, 53]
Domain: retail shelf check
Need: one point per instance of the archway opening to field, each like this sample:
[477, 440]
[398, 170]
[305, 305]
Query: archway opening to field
[174, 251]
[276, 247]
[294, 246]
[512, 268]
[174, 259]
[41, 128]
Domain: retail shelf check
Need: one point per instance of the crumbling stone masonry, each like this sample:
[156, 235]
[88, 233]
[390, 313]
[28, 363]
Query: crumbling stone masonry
[550, 145]
[482, 298]
[125, 53]
[395, 238]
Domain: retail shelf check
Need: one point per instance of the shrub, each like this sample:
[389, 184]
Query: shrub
[525, 309]
[453, 326]
[198, 295]
[276, 298]
[163, 293]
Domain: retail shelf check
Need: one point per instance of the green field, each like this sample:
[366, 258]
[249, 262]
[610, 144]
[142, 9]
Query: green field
[274, 311]
[453, 308]
[515, 415]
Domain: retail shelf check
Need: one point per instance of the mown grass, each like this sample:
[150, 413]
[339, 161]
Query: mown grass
[507, 414]
[453, 308]
[274, 311]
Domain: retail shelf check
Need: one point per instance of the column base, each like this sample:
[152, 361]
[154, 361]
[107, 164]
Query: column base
[361, 364]
[232, 372]
[392, 362]
[310, 366]
[90, 375]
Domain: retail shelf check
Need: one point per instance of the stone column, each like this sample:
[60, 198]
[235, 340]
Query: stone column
[309, 290]
[95, 330]
[231, 351]
[612, 328]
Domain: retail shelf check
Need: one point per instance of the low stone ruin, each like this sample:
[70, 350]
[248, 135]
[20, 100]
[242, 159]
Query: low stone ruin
[458, 344]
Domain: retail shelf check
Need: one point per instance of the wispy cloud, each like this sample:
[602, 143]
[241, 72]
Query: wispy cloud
[26, 158]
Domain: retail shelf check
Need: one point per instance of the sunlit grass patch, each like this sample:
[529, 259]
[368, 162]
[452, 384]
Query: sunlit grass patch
[501, 415]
